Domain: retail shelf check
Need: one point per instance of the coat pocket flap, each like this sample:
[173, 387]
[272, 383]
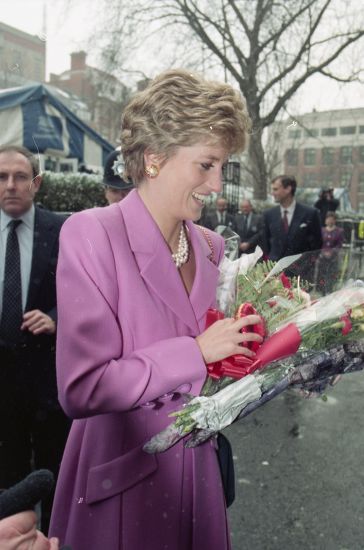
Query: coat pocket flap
[111, 478]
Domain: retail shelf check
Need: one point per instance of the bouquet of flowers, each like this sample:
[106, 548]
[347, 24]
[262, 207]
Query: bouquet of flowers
[306, 344]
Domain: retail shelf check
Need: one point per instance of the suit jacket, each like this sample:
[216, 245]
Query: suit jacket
[251, 234]
[38, 358]
[211, 221]
[126, 351]
[42, 283]
[304, 232]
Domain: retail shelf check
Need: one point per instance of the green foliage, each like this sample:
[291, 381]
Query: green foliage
[271, 299]
[330, 333]
[61, 192]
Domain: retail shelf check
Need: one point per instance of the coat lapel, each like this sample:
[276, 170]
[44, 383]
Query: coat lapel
[154, 258]
[277, 226]
[298, 215]
[44, 237]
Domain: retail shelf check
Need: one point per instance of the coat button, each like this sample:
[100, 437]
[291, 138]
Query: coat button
[149, 404]
[166, 396]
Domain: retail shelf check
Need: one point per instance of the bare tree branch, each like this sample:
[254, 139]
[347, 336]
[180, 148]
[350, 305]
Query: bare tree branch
[299, 81]
[352, 78]
[270, 48]
[298, 56]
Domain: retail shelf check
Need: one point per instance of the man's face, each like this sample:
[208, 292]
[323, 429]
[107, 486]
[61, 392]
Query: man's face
[17, 185]
[221, 205]
[246, 207]
[280, 193]
[115, 195]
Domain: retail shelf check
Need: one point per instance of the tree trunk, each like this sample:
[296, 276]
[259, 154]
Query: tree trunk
[257, 165]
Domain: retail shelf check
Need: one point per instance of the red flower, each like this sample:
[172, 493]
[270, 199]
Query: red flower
[285, 280]
[347, 324]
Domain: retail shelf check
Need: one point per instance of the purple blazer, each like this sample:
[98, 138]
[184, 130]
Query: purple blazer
[126, 352]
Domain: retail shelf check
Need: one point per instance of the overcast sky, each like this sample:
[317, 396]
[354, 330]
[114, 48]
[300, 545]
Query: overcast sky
[66, 31]
[69, 30]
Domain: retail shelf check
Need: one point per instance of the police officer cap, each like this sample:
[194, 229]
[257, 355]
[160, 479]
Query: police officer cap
[113, 172]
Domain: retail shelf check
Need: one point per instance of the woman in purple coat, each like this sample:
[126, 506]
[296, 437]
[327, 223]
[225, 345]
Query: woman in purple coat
[135, 281]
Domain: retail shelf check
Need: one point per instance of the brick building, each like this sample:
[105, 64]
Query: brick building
[22, 57]
[103, 93]
[324, 149]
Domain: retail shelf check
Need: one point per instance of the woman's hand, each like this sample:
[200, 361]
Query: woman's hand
[223, 338]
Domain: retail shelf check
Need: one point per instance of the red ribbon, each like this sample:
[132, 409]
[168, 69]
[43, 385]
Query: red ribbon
[281, 344]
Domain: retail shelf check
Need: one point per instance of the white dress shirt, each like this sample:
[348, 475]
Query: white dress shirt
[25, 233]
[290, 211]
[221, 217]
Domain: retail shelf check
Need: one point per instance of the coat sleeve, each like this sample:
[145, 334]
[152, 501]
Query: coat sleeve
[256, 239]
[93, 375]
[266, 236]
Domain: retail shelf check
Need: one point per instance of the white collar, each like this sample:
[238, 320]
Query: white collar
[27, 218]
[289, 209]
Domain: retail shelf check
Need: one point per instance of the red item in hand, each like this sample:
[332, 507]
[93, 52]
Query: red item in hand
[282, 344]
[248, 309]
[212, 316]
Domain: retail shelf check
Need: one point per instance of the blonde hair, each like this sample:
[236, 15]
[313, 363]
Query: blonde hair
[180, 108]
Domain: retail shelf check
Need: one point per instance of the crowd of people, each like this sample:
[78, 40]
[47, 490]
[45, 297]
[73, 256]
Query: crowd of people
[125, 289]
[289, 228]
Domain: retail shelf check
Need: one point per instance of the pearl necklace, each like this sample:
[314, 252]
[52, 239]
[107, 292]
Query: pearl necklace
[183, 250]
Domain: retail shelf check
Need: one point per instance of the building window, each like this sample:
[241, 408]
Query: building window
[292, 157]
[328, 155]
[310, 180]
[361, 184]
[346, 154]
[311, 132]
[361, 129]
[294, 134]
[361, 194]
[361, 153]
[347, 130]
[329, 131]
[38, 70]
[361, 205]
[50, 164]
[327, 180]
[17, 62]
[346, 179]
[309, 157]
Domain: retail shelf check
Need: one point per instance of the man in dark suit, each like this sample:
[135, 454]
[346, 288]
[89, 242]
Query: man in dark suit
[33, 428]
[291, 227]
[220, 216]
[249, 226]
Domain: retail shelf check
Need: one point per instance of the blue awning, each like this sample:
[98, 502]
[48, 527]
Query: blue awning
[33, 117]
